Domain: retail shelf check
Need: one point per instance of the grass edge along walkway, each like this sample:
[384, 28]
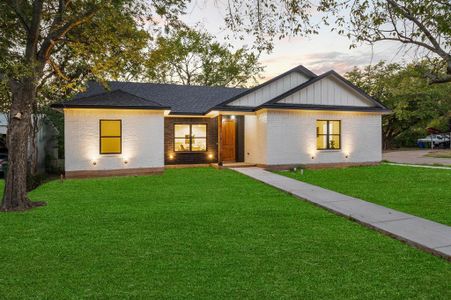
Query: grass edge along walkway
[421, 233]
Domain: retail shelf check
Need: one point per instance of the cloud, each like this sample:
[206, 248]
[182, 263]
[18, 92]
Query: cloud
[321, 62]
[339, 61]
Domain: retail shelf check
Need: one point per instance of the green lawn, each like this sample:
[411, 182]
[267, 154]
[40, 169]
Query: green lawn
[419, 191]
[201, 233]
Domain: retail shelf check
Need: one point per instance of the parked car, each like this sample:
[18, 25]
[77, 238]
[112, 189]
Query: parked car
[439, 140]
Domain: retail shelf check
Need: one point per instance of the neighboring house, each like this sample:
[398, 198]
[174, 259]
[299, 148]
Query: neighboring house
[46, 140]
[3, 130]
[296, 118]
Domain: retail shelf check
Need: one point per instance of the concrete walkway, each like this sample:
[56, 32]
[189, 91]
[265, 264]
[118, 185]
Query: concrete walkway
[421, 233]
[414, 157]
[418, 166]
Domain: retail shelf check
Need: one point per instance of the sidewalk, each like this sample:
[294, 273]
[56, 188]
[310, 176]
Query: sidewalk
[414, 157]
[418, 232]
[418, 166]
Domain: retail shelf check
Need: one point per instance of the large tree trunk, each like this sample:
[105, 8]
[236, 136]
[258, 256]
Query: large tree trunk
[33, 147]
[23, 90]
[15, 194]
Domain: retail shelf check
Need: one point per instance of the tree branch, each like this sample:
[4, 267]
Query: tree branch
[15, 6]
[33, 36]
[421, 26]
[57, 70]
[54, 35]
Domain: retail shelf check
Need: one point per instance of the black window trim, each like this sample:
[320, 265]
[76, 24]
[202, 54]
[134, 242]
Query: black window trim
[328, 135]
[105, 136]
[191, 137]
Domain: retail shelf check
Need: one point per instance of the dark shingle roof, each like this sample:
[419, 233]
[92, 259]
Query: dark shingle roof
[198, 100]
[116, 98]
[181, 99]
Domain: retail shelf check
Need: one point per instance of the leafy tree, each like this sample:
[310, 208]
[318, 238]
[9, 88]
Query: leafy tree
[192, 57]
[63, 41]
[404, 89]
[424, 24]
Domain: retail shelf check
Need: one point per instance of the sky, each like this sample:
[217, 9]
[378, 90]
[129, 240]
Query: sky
[319, 53]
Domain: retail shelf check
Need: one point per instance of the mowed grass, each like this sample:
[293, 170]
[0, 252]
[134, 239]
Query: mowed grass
[419, 191]
[201, 233]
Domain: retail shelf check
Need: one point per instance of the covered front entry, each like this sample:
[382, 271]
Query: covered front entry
[231, 145]
[228, 140]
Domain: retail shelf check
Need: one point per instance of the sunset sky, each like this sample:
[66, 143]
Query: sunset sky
[320, 53]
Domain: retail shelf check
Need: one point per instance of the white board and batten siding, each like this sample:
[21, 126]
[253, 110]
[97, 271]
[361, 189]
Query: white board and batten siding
[271, 90]
[327, 91]
[142, 139]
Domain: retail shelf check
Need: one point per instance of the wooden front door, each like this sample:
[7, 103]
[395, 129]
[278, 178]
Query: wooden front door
[228, 140]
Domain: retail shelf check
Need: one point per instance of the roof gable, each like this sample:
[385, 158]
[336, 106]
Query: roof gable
[271, 88]
[328, 89]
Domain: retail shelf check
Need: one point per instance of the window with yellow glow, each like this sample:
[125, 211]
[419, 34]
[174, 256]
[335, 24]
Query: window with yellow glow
[110, 136]
[328, 134]
[190, 137]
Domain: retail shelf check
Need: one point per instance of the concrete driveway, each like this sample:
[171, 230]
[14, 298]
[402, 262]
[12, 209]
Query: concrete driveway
[415, 157]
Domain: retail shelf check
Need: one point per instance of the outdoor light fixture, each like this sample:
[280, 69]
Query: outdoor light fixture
[125, 161]
[232, 117]
[94, 162]
[171, 156]
[210, 156]
[347, 156]
[313, 157]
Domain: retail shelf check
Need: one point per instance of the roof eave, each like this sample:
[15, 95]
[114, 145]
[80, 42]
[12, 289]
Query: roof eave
[182, 113]
[234, 108]
[325, 108]
[63, 106]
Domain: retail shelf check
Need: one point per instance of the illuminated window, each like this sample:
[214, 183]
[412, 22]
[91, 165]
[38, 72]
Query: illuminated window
[110, 136]
[328, 135]
[190, 137]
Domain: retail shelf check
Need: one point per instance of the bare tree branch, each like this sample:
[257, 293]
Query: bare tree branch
[436, 46]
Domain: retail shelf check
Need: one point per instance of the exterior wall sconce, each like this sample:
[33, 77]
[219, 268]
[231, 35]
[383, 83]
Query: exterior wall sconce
[313, 157]
[171, 156]
[232, 117]
[94, 162]
[347, 156]
[210, 156]
[125, 161]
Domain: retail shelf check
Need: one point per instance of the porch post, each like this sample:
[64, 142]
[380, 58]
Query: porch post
[219, 139]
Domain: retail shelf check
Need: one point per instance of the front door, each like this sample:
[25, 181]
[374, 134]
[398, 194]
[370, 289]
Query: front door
[228, 140]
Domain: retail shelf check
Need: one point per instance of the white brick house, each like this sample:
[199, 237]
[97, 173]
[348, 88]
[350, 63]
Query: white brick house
[296, 118]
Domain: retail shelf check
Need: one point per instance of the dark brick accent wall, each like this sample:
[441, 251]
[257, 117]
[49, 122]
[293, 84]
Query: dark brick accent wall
[191, 157]
[240, 138]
